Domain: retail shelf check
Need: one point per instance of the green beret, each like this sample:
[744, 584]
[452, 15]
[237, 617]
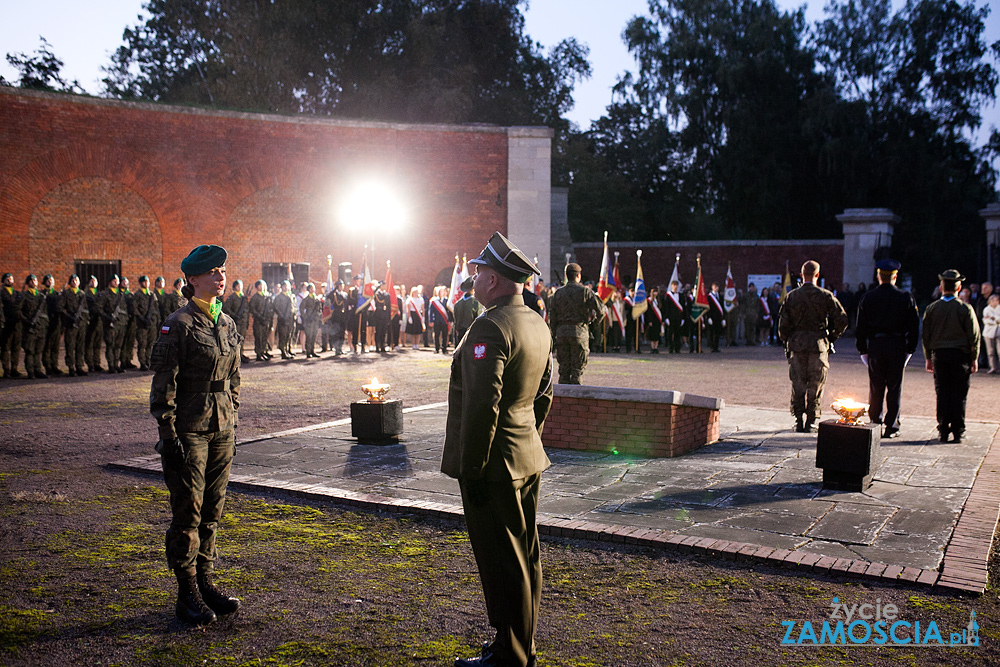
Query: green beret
[203, 259]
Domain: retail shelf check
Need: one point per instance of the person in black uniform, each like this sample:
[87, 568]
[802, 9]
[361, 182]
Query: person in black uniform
[888, 331]
[194, 397]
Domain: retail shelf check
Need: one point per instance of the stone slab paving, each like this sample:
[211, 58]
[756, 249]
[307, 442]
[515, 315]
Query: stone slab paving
[928, 517]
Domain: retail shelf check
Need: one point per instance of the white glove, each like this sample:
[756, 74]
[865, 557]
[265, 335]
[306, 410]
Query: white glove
[710, 321]
[864, 359]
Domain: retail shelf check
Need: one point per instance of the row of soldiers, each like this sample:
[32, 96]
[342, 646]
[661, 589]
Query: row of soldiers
[37, 318]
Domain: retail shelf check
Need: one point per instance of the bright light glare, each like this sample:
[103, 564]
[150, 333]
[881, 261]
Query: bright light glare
[372, 206]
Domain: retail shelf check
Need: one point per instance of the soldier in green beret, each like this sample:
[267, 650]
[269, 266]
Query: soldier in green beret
[147, 320]
[95, 326]
[131, 326]
[237, 306]
[74, 314]
[34, 325]
[195, 399]
[114, 311]
[54, 332]
[10, 333]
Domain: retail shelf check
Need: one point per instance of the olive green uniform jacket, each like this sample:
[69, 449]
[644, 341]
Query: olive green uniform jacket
[811, 319]
[499, 396]
[196, 386]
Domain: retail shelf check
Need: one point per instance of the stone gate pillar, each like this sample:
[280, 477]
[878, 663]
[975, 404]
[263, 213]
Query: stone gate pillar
[866, 231]
[991, 214]
[529, 193]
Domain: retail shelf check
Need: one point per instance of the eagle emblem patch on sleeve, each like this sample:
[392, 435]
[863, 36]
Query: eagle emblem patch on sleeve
[479, 351]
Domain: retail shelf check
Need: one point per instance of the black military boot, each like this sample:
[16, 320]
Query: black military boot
[220, 603]
[190, 606]
[798, 424]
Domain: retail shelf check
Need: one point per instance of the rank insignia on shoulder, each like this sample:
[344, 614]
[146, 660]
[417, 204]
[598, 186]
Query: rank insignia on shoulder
[164, 329]
[479, 351]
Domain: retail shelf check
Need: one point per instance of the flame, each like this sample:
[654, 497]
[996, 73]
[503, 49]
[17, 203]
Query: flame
[848, 404]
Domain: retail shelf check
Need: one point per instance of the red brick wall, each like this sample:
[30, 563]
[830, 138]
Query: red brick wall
[628, 427]
[745, 258]
[95, 179]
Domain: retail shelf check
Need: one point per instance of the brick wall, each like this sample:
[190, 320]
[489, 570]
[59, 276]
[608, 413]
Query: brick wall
[84, 178]
[629, 421]
[746, 257]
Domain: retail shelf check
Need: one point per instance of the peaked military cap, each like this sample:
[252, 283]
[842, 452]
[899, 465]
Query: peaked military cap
[203, 259]
[467, 284]
[951, 274]
[887, 265]
[504, 257]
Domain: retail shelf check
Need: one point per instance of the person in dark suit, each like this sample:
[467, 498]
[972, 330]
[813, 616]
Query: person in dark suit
[498, 397]
[887, 330]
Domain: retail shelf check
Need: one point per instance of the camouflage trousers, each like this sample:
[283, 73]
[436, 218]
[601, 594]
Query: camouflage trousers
[75, 340]
[807, 371]
[145, 336]
[92, 345]
[10, 346]
[261, 332]
[50, 352]
[197, 484]
[33, 344]
[571, 354]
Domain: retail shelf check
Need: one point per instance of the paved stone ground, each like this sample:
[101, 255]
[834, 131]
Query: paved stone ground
[756, 492]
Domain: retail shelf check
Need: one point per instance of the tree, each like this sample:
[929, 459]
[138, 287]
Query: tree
[41, 71]
[399, 60]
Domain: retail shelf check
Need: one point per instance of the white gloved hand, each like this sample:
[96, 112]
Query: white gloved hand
[864, 359]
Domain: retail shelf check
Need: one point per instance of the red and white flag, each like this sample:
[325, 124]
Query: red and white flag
[604, 286]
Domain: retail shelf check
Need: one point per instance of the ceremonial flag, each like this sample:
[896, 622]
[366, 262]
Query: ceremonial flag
[639, 303]
[604, 288]
[786, 286]
[456, 285]
[393, 299]
[291, 278]
[366, 278]
[730, 295]
[700, 305]
[676, 275]
[329, 272]
[617, 277]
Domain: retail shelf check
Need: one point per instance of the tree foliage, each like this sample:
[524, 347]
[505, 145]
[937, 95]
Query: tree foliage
[742, 122]
[42, 71]
[400, 60]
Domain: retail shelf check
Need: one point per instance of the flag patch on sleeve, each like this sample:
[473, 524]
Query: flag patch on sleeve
[164, 329]
[479, 351]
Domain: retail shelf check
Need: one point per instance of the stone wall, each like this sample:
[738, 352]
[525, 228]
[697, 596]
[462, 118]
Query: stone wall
[92, 179]
[634, 422]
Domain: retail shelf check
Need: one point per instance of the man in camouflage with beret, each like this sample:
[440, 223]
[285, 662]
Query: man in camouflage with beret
[146, 309]
[95, 326]
[571, 310]
[114, 310]
[74, 314]
[34, 325]
[810, 320]
[50, 351]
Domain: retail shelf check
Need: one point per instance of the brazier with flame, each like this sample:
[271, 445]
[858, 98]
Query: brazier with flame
[377, 420]
[848, 452]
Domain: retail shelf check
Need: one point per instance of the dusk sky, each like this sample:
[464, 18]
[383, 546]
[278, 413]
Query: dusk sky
[84, 34]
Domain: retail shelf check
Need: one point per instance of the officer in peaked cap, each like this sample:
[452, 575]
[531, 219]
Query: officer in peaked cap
[888, 331]
[498, 397]
[503, 257]
[951, 347]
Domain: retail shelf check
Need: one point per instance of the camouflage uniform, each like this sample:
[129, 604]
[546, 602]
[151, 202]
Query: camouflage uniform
[571, 309]
[173, 302]
[195, 398]
[147, 321]
[10, 334]
[284, 309]
[311, 310]
[34, 325]
[810, 320]
[114, 309]
[129, 331]
[50, 352]
[95, 329]
[237, 306]
[260, 308]
[467, 309]
[74, 314]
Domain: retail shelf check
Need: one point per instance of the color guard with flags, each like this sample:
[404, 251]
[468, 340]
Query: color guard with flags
[730, 295]
[699, 306]
[604, 286]
[639, 298]
[716, 317]
[456, 285]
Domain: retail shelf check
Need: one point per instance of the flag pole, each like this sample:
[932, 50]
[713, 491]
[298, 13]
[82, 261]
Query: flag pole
[697, 260]
[638, 256]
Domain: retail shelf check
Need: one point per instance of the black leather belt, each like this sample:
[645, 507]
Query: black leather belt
[203, 387]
